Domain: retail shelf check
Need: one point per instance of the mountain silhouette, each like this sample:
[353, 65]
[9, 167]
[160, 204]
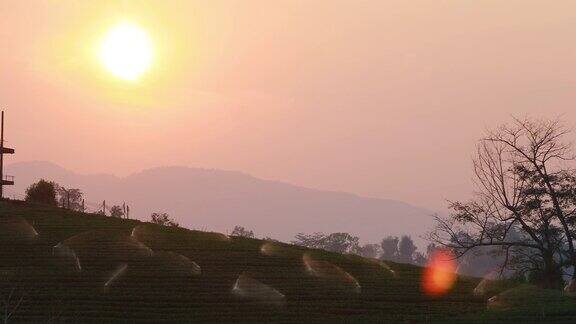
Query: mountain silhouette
[218, 200]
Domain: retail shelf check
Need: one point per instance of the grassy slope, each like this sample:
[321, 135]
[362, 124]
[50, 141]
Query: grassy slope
[148, 292]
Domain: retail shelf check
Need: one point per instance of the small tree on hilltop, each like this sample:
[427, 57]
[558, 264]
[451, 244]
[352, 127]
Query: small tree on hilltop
[163, 219]
[419, 258]
[69, 198]
[335, 242]
[341, 243]
[313, 241]
[390, 248]
[116, 211]
[406, 249]
[242, 232]
[369, 250]
[42, 192]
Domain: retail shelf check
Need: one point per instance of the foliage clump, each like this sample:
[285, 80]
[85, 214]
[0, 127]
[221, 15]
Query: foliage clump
[163, 219]
[42, 192]
[242, 232]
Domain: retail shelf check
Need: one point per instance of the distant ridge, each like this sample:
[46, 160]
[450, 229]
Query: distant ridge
[218, 200]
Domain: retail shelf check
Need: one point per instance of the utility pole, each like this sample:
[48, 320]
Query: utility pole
[8, 180]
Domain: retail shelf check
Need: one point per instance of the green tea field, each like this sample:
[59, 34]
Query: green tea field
[61, 266]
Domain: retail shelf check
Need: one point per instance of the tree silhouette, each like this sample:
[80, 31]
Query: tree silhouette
[42, 192]
[116, 211]
[390, 248]
[163, 219]
[313, 241]
[369, 250]
[341, 243]
[70, 198]
[406, 249]
[242, 232]
[526, 201]
[335, 242]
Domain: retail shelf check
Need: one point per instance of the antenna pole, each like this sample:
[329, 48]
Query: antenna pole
[2, 158]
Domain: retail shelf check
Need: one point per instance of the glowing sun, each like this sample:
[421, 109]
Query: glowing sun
[126, 51]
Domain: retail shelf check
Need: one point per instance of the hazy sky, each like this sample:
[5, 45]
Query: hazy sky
[380, 98]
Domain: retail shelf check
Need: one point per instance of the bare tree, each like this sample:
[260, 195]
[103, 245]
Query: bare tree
[526, 200]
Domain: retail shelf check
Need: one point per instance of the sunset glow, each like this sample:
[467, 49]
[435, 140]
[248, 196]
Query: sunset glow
[126, 51]
[439, 274]
[287, 161]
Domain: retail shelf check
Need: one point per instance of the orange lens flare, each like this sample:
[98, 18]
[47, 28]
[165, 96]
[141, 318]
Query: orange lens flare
[440, 273]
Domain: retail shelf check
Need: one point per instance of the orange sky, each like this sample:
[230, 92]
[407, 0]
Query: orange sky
[380, 98]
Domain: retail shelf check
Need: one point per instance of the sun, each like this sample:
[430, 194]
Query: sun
[126, 51]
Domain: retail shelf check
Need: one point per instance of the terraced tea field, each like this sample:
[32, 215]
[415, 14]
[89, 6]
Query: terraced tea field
[72, 267]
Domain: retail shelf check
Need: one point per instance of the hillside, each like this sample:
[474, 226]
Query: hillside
[218, 200]
[63, 266]
[106, 274]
